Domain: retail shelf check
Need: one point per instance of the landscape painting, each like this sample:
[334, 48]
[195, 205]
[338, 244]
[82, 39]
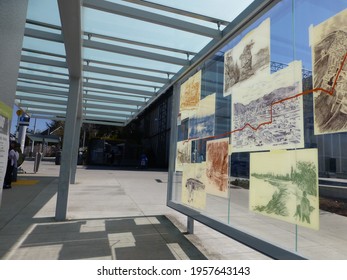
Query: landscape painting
[270, 117]
[201, 124]
[249, 60]
[194, 185]
[284, 185]
[217, 161]
[183, 154]
[328, 43]
[190, 95]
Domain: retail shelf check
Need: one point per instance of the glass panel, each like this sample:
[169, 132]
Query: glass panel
[263, 90]
[44, 11]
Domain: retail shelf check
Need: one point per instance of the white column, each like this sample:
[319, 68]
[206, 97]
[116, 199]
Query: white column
[68, 147]
[12, 23]
[75, 150]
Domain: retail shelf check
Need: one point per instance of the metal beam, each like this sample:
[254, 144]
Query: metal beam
[120, 82]
[43, 71]
[121, 124]
[41, 106]
[103, 105]
[93, 97]
[70, 17]
[43, 78]
[108, 113]
[137, 43]
[43, 35]
[178, 11]
[99, 118]
[124, 74]
[66, 162]
[43, 111]
[38, 98]
[43, 61]
[121, 89]
[43, 53]
[139, 14]
[134, 52]
[114, 94]
[36, 83]
[57, 93]
[129, 66]
[43, 24]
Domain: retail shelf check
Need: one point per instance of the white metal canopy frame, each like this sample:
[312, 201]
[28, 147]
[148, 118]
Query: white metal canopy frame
[104, 62]
[126, 53]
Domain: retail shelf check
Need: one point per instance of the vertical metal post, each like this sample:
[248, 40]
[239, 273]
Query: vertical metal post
[190, 225]
[75, 150]
[66, 156]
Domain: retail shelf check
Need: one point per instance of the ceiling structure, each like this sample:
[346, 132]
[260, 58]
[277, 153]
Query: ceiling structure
[126, 52]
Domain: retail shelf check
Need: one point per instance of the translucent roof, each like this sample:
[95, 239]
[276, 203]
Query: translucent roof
[132, 51]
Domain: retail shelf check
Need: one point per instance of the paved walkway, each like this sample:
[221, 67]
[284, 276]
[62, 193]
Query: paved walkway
[122, 214]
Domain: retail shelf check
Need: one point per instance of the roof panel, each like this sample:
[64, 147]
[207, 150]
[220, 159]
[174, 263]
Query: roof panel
[132, 52]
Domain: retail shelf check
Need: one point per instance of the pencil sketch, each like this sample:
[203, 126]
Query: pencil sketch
[190, 95]
[201, 124]
[217, 159]
[329, 40]
[284, 185]
[183, 154]
[194, 185]
[249, 60]
[267, 117]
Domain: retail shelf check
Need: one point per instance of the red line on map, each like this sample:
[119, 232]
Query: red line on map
[330, 92]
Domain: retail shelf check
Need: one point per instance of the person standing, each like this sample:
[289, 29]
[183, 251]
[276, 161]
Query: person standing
[11, 163]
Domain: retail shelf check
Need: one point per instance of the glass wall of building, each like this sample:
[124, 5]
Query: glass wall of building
[260, 132]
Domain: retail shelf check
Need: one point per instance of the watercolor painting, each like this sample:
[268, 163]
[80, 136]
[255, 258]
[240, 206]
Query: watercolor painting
[183, 154]
[268, 117]
[190, 94]
[198, 151]
[201, 124]
[194, 185]
[284, 185]
[217, 161]
[328, 43]
[249, 60]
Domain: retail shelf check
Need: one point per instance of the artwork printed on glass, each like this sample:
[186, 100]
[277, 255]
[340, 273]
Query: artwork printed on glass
[198, 151]
[194, 185]
[182, 154]
[217, 159]
[266, 116]
[201, 124]
[329, 51]
[249, 60]
[284, 185]
[190, 95]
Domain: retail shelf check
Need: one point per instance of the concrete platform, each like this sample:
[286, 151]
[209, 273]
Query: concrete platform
[122, 214]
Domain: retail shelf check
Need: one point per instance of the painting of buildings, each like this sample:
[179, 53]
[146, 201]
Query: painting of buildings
[201, 124]
[328, 43]
[269, 117]
[190, 94]
[217, 166]
[249, 60]
[284, 185]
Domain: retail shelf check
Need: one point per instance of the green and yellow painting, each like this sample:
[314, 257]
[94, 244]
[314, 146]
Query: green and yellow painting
[284, 185]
